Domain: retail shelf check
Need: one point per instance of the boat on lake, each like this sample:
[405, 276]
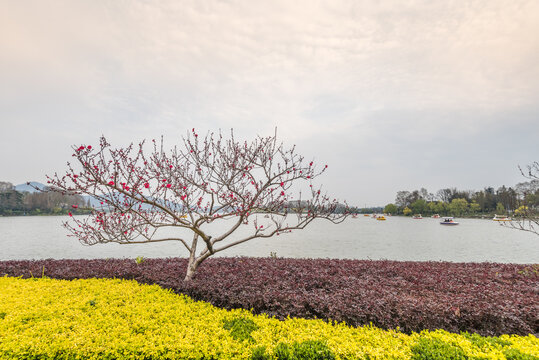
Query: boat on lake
[381, 217]
[435, 216]
[448, 221]
[501, 218]
[417, 216]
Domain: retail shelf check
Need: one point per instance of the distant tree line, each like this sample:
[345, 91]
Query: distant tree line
[451, 201]
[13, 202]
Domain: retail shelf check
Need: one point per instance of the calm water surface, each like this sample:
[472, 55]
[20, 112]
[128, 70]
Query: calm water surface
[398, 238]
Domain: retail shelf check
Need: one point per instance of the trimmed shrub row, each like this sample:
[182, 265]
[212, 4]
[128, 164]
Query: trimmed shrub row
[120, 319]
[483, 298]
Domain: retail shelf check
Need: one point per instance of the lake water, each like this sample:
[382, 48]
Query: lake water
[398, 238]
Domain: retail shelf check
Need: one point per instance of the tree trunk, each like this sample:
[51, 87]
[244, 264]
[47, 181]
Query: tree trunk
[193, 262]
[191, 268]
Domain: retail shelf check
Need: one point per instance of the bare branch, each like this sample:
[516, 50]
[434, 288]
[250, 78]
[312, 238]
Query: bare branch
[208, 179]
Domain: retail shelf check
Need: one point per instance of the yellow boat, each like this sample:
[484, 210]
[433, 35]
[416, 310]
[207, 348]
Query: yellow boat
[381, 217]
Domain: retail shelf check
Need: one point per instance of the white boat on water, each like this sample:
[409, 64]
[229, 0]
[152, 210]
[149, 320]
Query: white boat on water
[501, 218]
[417, 216]
[448, 221]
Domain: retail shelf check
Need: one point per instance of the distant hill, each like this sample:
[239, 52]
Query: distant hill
[28, 188]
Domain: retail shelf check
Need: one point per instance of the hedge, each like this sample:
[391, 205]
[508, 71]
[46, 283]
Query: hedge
[119, 319]
[486, 298]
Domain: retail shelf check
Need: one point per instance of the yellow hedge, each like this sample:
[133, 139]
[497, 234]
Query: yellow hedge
[119, 319]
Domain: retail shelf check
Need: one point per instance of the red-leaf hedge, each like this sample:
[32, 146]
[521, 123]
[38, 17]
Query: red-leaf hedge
[484, 298]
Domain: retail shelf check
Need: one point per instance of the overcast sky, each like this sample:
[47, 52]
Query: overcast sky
[392, 95]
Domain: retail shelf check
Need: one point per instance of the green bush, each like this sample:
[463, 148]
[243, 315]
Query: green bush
[307, 350]
[485, 341]
[514, 354]
[259, 353]
[435, 349]
[282, 352]
[240, 328]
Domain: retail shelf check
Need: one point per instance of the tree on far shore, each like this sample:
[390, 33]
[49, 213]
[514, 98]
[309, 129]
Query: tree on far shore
[178, 194]
[390, 209]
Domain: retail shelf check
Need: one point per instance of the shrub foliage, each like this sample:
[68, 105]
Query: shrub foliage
[487, 299]
[53, 319]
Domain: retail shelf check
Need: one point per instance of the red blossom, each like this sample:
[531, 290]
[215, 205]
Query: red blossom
[215, 182]
[74, 206]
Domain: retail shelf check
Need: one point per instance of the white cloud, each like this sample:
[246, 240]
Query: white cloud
[346, 73]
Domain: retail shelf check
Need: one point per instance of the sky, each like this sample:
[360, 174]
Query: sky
[392, 95]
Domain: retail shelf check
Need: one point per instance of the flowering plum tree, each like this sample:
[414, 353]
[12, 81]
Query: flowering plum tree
[177, 194]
